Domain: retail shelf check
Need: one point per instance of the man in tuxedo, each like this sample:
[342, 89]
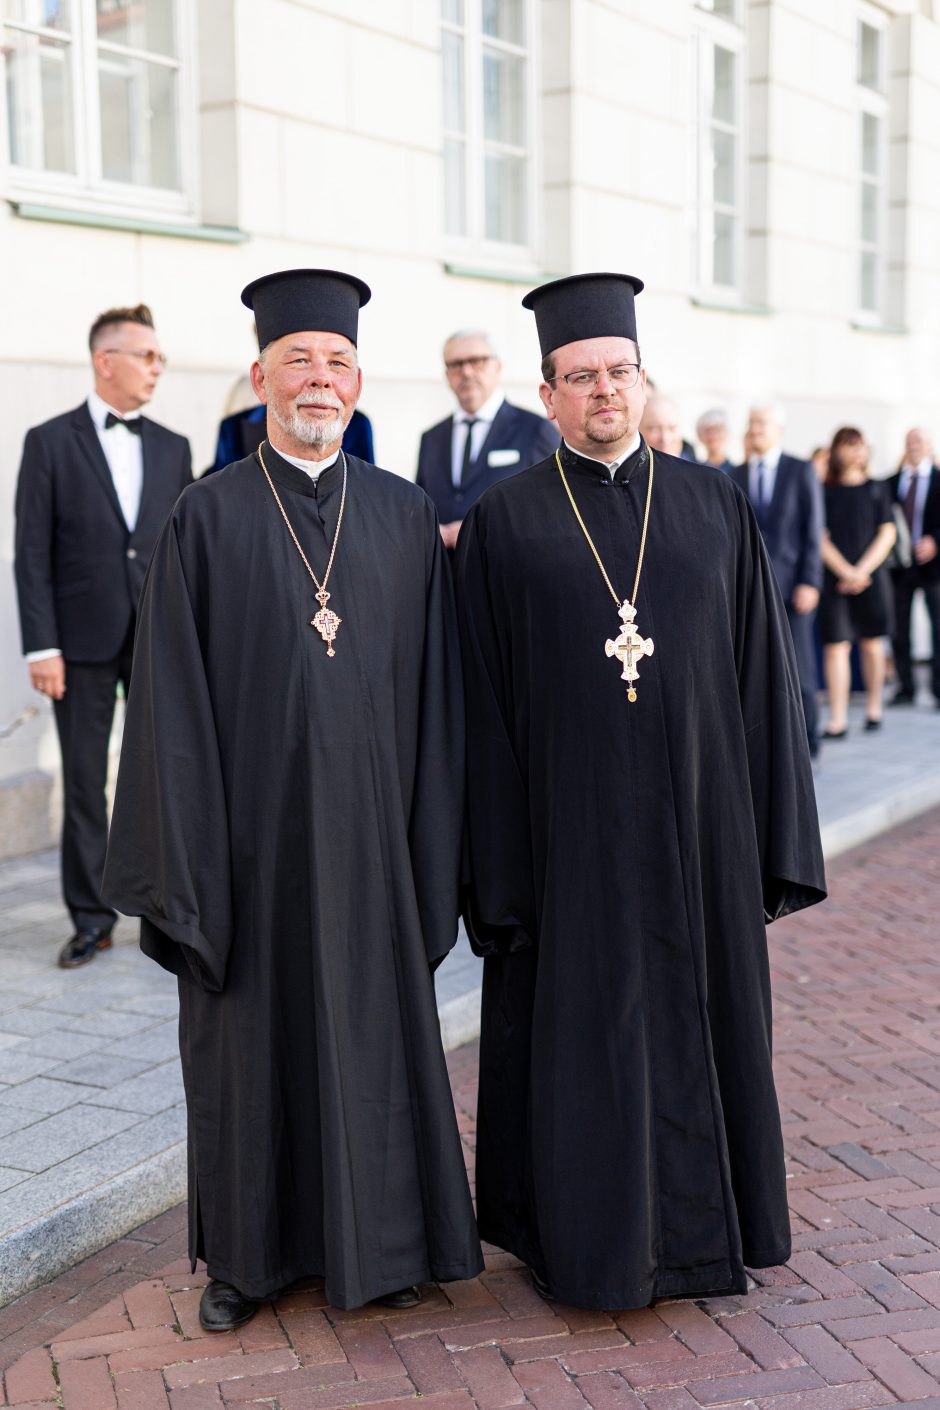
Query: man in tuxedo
[485, 440]
[788, 504]
[916, 488]
[95, 487]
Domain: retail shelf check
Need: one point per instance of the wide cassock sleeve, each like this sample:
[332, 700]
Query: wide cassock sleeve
[499, 889]
[781, 778]
[436, 821]
[168, 854]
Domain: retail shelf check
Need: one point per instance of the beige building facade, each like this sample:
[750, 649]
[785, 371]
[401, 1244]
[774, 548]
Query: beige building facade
[770, 168]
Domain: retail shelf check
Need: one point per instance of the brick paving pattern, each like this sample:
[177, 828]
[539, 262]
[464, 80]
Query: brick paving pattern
[852, 1321]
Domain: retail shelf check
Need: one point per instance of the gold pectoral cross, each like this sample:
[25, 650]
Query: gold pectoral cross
[629, 647]
[326, 621]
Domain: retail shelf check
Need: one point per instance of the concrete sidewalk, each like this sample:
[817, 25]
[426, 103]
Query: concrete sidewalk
[92, 1122]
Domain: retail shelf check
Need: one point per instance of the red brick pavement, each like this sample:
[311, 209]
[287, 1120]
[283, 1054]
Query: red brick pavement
[853, 1321]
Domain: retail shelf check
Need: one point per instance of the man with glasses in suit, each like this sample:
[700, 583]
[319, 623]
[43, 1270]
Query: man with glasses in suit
[95, 487]
[486, 438]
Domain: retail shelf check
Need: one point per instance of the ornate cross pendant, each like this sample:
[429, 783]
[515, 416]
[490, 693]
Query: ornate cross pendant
[629, 647]
[326, 622]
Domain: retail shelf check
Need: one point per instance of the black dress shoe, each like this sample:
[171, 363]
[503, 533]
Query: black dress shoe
[902, 697]
[871, 725]
[222, 1308]
[405, 1297]
[835, 733]
[83, 947]
[541, 1287]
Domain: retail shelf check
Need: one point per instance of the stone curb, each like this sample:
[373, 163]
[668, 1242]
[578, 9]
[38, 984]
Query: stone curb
[42, 1250]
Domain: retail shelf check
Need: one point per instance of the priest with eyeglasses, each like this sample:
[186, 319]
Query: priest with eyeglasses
[288, 827]
[640, 806]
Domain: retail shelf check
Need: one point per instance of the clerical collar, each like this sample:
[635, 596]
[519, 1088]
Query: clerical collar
[98, 409]
[487, 411]
[313, 468]
[611, 466]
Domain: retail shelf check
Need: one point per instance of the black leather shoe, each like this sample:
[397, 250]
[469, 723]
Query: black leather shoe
[222, 1308]
[541, 1287]
[902, 697]
[405, 1297]
[83, 947]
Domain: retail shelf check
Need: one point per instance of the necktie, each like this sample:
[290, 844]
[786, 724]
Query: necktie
[760, 506]
[910, 500]
[132, 425]
[467, 452]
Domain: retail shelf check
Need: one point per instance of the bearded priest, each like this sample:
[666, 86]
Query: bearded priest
[640, 806]
[288, 827]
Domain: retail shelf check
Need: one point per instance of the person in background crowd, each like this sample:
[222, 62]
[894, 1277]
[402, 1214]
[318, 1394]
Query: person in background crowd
[856, 595]
[820, 462]
[714, 432]
[486, 438]
[916, 490]
[787, 500]
[659, 427]
[94, 490]
[242, 429]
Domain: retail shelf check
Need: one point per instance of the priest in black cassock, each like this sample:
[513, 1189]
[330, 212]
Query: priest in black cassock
[640, 806]
[287, 826]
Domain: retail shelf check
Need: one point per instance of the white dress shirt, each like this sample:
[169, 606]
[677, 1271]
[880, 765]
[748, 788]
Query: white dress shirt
[124, 454]
[770, 462]
[922, 471]
[313, 468]
[484, 419]
[612, 465]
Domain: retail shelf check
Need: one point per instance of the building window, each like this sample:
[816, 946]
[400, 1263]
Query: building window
[98, 108]
[719, 154]
[486, 50]
[872, 106]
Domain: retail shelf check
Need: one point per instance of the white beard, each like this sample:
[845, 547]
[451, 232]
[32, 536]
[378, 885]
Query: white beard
[316, 434]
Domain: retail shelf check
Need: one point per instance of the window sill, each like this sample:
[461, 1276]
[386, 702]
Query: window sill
[495, 275]
[890, 330]
[723, 306]
[225, 235]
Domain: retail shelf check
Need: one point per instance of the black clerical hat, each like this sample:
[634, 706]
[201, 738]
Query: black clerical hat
[584, 306]
[305, 301]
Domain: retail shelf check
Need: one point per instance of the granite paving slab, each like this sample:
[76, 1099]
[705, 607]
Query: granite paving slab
[90, 1087]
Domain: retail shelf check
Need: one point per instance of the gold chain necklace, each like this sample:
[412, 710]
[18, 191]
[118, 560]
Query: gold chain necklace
[629, 646]
[326, 621]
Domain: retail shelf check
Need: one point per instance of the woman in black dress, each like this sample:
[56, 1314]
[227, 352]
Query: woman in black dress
[856, 602]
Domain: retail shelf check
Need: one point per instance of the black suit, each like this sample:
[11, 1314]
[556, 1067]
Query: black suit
[529, 436]
[906, 582]
[79, 572]
[792, 532]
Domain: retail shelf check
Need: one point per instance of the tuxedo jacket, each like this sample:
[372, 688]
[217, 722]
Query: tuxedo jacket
[79, 569]
[515, 440]
[793, 533]
[924, 572]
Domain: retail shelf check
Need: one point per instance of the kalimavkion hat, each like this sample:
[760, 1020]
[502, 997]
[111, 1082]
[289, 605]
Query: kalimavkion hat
[304, 301]
[584, 306]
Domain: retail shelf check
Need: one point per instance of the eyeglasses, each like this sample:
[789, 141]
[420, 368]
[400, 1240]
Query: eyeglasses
[475, 364]
[623, 376]
[150, 358]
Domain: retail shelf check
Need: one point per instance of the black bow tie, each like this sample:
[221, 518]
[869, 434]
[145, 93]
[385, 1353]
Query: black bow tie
[132, 425]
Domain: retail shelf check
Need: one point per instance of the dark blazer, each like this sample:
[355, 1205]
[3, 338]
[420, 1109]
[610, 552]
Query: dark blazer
[530, 436]
[926, 572]
[793, 533]
[79, 570]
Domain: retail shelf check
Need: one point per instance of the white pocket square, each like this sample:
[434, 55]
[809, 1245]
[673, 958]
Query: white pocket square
[497, 458]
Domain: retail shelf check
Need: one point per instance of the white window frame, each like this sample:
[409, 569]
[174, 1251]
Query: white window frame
[872, 102]
[718, 31]
[86, 190]
[473, 246]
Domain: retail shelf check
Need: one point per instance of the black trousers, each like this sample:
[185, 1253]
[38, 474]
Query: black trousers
[801, 630]
[84, 717]
[907, 581]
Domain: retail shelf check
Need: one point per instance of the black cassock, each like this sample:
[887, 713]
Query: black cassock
[622, 858]
[288, 827]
